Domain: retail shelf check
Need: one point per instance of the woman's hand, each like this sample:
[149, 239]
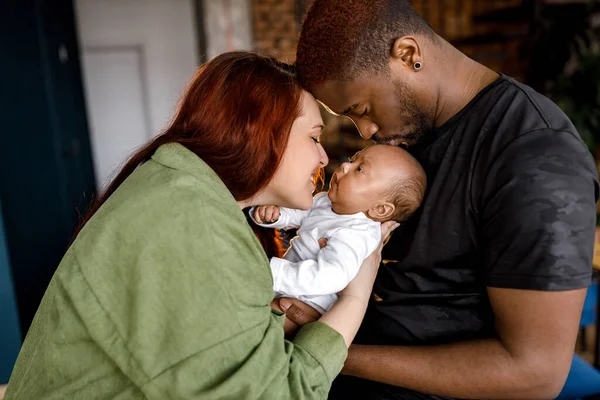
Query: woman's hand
[362, 285]
[358, 291]
[347, 313]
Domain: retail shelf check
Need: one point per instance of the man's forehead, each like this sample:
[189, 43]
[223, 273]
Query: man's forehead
[337, 98]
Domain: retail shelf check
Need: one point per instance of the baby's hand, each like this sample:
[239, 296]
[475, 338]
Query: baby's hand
[266, 214]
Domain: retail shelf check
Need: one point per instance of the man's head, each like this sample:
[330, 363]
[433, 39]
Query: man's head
[384, 182]
[371, 60]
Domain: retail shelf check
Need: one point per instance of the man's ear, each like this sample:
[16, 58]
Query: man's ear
[381, 211]
[407, 51]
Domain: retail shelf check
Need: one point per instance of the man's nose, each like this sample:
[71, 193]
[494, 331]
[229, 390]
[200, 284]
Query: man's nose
[366, 129]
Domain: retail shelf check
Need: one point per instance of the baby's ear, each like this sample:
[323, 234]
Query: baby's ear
[381, 211]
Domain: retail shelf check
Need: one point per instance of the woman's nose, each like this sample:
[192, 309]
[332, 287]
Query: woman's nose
[324, 158]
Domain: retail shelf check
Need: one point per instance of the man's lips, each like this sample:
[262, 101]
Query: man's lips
[395, 142]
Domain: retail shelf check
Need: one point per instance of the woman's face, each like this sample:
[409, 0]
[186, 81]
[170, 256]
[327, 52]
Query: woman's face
[294, 181]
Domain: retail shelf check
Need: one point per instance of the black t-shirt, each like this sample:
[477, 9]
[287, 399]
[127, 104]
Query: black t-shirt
[510, 204]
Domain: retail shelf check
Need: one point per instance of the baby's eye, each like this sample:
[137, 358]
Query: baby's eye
[359, 169]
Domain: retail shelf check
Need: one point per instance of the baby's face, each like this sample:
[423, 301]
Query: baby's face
[369, 176]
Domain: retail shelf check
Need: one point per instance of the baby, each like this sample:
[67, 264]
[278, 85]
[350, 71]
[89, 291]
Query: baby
[378, 184]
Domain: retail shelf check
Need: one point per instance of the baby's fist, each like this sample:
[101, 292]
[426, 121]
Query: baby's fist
[266, 214]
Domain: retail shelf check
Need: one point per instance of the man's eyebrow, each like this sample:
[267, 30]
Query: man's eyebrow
[349, 109]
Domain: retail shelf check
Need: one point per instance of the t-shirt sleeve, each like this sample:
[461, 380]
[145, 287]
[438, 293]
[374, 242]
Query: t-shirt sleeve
[538, 213]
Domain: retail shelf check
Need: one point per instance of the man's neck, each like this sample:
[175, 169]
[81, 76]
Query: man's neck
[462, 81]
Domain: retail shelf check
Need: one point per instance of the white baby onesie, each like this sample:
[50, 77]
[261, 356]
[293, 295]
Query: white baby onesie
[315, 275]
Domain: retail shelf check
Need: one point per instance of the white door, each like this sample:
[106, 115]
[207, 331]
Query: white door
[137, 56]
[118, 112]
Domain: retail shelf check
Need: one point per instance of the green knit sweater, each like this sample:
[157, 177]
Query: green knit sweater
[165, 295]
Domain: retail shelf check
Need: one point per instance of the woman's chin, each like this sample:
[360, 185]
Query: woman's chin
[299, 202]
[307, 203]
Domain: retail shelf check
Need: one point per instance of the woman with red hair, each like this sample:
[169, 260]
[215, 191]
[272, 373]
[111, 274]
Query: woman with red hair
[165, 292]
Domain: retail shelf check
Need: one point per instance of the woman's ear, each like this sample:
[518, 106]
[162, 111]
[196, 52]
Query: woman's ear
[381, 211]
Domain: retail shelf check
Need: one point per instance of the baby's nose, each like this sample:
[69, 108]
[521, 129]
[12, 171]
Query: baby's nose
[344, 167]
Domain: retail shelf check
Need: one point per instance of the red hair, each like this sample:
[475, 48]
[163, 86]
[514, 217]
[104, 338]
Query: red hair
[236, 115]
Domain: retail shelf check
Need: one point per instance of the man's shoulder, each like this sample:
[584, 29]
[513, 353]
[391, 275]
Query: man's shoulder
[511, 113]
[515, 109]
[541, 108]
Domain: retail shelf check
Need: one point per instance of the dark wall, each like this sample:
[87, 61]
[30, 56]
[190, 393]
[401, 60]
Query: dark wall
[46, 166]
[10, 335]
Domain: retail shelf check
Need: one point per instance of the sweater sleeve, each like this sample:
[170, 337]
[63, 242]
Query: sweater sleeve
[183, 305]
[246, 356]
[272, 369]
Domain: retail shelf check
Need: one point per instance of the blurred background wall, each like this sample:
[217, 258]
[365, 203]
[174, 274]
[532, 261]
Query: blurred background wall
[85, 82]
[136, 57]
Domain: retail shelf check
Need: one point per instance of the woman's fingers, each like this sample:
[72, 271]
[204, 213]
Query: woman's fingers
[387, 228]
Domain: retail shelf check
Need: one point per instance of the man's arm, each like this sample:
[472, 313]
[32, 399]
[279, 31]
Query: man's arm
[530, 359]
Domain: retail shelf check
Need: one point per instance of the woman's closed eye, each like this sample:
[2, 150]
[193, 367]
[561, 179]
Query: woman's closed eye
[316, 139]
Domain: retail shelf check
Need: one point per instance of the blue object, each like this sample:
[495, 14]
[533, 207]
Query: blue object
[588, 316]
[583, 380]
[10, 335]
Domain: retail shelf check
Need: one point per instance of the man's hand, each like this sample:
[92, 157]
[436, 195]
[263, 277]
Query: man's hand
[266, 214]
[296, 312]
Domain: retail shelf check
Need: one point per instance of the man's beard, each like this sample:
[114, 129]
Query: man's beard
[409, 112]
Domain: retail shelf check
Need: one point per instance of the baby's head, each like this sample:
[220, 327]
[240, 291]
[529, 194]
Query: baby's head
[385, 182]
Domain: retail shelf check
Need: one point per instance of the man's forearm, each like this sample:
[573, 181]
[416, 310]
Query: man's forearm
[470, 370]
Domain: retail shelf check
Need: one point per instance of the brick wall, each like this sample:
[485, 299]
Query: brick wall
[277, 26]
